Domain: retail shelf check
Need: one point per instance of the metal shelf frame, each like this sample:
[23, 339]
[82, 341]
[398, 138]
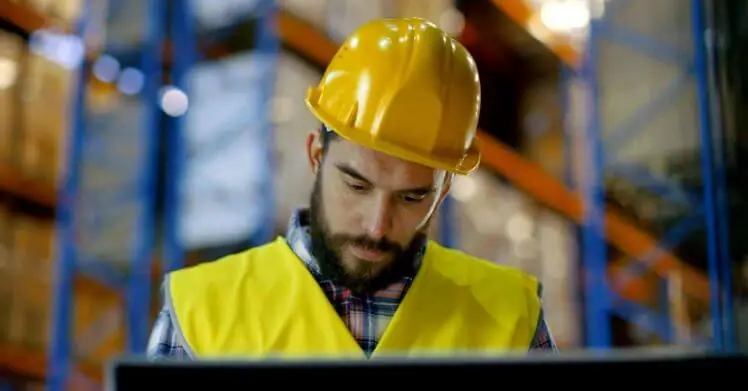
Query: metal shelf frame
[708, 209]
[601, 301]
[136, 285]
[184, 41]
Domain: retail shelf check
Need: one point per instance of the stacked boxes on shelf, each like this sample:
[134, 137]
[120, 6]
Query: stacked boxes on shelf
[31, 254]
[26, 275]
[35, 97]
[99, 326]
[62, 11]
[45, 99]
[12, 50]
[6, 275]
[27, 267]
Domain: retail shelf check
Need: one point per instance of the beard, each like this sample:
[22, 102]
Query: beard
[363, 277]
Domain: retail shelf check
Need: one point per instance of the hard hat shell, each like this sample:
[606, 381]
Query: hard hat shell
[405, 88]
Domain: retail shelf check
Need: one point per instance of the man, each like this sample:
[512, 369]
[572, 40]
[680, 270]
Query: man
[356, 275]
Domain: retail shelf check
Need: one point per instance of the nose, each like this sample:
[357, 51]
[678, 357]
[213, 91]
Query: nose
[380, 217]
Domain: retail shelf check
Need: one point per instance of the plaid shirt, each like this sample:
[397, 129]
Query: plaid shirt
[366, 316]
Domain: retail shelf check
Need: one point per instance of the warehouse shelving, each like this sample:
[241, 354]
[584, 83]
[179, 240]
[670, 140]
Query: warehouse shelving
[96, 280]
[24, 362]
[181, 54]
[33, 365]
[644, 252]
[315, 46]
[13, 182]
[128, 162]
[526, 15]
[689, 70]
[23, 16]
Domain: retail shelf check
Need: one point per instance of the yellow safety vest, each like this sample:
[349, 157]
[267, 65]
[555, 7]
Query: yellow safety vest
[264, 302]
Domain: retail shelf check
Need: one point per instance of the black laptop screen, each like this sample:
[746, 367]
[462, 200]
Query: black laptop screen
[137, 375]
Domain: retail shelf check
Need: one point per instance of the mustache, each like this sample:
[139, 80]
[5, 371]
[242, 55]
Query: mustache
[368, 243]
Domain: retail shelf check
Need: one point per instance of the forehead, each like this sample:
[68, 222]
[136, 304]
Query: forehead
[381, 169]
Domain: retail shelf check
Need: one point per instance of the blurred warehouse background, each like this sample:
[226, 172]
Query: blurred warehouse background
[140, 136]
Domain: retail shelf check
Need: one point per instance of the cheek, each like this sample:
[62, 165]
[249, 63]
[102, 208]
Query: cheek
[411, 216]
[408, 221]
[405, 229]
[341, 208]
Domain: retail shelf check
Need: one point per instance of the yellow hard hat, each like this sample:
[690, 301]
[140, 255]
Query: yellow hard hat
[405, 88]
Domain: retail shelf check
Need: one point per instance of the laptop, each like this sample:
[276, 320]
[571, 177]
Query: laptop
[572, 369]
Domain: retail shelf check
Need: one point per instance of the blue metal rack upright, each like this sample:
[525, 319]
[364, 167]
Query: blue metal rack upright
[81, 206]
[707, 209]
[448, 226]
[183, 38]
[268, 43]
[184, 41]
[89, 147]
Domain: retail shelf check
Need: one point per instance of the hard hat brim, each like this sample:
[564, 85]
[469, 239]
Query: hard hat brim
[463, 165]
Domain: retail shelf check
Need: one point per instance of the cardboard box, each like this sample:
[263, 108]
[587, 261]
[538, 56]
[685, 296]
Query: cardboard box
[6, 275]
[127, 27]
[543, 127]
[35, 386]
[31, 294]
[67, 11]
[100, 331]
[17, 287]
[34, 242]
[41, 6]
[11, 53]
[27, 278]
[45, 104]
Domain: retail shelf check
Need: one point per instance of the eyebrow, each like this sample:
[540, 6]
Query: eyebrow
[351, 172]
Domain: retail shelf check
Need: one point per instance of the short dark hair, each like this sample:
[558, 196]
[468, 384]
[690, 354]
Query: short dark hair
[327, 135]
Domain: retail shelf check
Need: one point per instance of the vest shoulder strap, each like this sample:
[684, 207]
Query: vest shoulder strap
[503, 282]
[208, 287]
[219, 271]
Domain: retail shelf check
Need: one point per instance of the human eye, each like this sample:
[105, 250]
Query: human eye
[357, 186]
[414, 198]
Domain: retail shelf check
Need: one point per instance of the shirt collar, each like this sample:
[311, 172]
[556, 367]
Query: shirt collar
[300, 240]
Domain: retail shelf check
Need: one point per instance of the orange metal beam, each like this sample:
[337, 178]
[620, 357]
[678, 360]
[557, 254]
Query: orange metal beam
[314, 44]
[528, 17]
[621, 233]
[305, 39]
[33, 365]
[23, 362]
[23, 16]
[13, 182]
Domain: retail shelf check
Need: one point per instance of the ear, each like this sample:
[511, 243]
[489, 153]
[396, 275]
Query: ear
[314, 150]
